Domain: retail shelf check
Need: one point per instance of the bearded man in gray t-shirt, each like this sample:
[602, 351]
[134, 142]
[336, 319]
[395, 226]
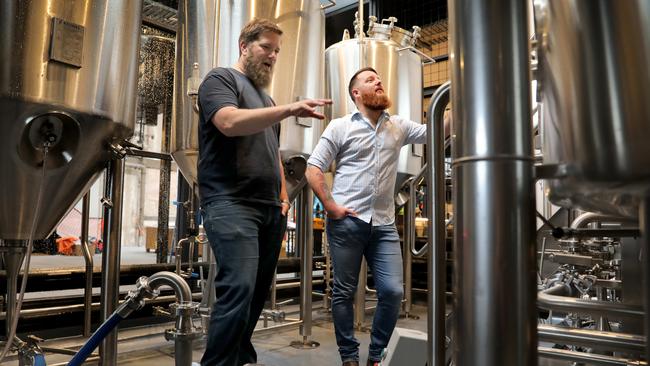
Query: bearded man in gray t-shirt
[241, 183]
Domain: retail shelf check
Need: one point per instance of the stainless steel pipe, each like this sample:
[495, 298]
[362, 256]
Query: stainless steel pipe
[110, 289]
[177, 283]
[67, 309]
[13, 255]
[436, 264]
[549, 299]
[644, 225]
[588, 217]
[286, 285]
[88, 257]
[590, 358]
[409, 217]
[305, 223]
[494, 236]
[591, 338]
[409, 241]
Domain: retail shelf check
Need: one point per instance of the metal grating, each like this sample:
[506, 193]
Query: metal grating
[159, 15]
[435, 33]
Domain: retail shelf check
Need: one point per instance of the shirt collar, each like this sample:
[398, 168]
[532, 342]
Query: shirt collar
[356, 115]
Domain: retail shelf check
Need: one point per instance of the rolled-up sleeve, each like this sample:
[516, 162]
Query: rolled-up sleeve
[327, 148]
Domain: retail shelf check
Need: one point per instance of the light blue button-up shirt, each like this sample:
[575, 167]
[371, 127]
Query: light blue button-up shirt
[366, 162]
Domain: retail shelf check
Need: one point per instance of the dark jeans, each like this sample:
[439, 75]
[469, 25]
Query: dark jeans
[246, 240]
[349, 239]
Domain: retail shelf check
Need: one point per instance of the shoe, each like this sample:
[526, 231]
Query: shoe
[351, 363]
[373, 363]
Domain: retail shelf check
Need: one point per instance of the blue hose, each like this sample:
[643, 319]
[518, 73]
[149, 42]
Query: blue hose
[94, 340]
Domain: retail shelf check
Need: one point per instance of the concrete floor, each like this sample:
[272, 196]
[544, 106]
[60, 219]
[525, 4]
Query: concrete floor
[147, 346]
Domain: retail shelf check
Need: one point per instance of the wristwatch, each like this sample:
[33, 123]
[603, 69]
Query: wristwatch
[286, 201]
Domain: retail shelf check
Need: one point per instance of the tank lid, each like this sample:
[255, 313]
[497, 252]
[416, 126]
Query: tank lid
[386, 30]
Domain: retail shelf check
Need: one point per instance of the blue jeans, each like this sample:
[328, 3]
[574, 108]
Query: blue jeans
[349, 239]
[246, 240]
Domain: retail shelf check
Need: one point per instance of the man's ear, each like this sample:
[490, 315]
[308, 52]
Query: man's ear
[243, 48]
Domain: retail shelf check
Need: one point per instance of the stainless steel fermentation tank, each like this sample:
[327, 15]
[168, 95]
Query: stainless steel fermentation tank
[208, 38]
[67, 81]
[595, 89]
[386, 50]
[68, 72]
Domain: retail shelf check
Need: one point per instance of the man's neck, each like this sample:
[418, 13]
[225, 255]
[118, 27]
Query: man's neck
[371, 114]
[239, 66]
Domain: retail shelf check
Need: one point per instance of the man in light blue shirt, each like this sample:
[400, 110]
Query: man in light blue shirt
[360, 208]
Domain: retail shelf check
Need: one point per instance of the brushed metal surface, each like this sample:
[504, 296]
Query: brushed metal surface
[493, 185]
[208, 38]
[401, 75]
[595, 88]
[87, 106]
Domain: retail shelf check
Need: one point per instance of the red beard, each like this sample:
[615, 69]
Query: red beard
[376, 102]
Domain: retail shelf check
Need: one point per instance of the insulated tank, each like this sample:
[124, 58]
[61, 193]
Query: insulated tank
[208, 38]
[386, 49]
[67, 77]
[595, 91]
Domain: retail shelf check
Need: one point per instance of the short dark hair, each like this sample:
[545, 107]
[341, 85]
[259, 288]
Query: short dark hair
[254, 29]
[354, 78]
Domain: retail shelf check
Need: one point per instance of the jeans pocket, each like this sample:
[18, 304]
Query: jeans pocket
[336, 221]
[217, 211]
[220, 204]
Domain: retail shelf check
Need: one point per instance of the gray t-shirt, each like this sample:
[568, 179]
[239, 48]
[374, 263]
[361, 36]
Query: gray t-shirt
[242, 168]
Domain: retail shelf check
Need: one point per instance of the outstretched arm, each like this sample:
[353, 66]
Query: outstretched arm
[232, 121]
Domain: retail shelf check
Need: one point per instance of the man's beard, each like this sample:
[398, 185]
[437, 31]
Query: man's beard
[376, 102]
[259, 74]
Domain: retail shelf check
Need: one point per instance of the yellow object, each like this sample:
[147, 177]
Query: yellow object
[421, 224]
[151, 237]
[319, 224]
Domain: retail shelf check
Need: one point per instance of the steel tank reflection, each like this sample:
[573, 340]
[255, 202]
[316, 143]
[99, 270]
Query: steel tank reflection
[195, 57]
[208, 38]
[595, 90]
[385, 50]
[68, 77]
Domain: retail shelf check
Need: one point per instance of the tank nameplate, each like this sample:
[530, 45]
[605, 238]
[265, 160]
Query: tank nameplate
[306, 122]
[66, 45]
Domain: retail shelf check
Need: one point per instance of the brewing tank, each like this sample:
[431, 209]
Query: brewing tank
[386, 50]
[208, 38]
[68, 76]
[595, 91]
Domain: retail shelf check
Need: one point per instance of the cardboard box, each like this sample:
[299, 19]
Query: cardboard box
[77, 249]
[151, 237]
